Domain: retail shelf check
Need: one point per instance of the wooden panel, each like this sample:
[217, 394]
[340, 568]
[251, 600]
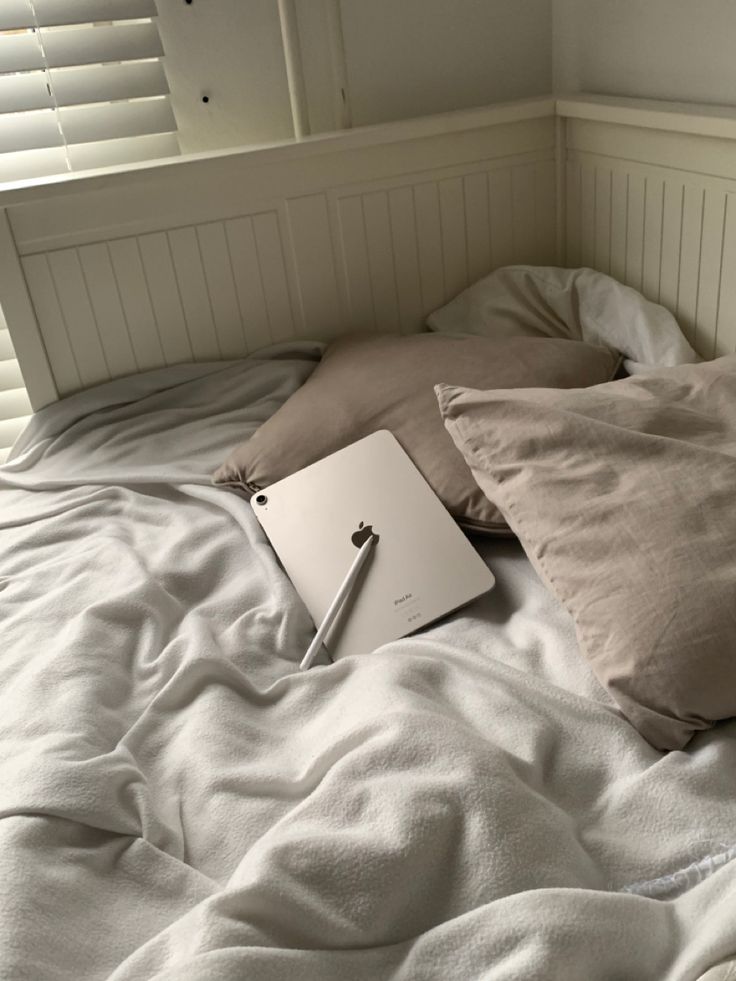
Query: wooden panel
[573, 216]
[241, 243]
[381, 254]
[195, 297]
[709, 286]
[196, 190]
[273, 275]
[406, 257]
[133, 289]
[635, 232]
[221, 289]
[355, 260]
[51, 323]
[602, 236]
[215, 258]
[314, 261]
[478, 229]
[23, 326]
[671, 230]
[653, 213]
[587, 216]
[108, 310]
[692, 228]
[619, 224]
[429, 241]
[81, 326]
[697, 155]
[545, 213]
[523, 214]
[669, 277]
[405, 250]
[501, 217]
[454, 244]
[165, 297]
[670, 237]
[725, 339]
[380, 248]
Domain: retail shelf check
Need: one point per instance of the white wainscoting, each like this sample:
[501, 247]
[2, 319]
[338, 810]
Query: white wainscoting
[345, 254]
[657, 211]
[407, 248]
[356, 258]
[214, 257]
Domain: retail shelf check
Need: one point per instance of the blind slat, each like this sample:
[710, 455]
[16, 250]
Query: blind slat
[10, 376]
[79, 46]
[17, 14]
[19, 93]
[30, 164]
[87, 156]
[29, 131]
[20, 52]
[77, 86]
[55, 12]
[14, 403]
[80, 94]
[116, 120]
[107, 83]
[7, 352]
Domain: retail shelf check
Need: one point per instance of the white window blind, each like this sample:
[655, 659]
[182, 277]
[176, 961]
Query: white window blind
[82, 85]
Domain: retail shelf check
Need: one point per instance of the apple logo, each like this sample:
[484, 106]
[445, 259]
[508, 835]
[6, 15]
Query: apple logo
[361, 536]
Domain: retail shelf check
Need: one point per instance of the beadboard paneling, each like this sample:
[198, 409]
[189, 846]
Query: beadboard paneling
[372, 229]
[213, 258]
[668, 233]
[203, 293]
[406, 250]
[380, 255]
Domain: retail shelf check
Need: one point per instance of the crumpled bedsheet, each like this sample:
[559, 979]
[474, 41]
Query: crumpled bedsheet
[177, 801]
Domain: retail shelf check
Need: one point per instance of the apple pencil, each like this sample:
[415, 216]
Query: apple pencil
[342, 594]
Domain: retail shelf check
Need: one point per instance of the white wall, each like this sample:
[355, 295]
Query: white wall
[413, 57]
[230, 50]
[682, 50]
[405, 58]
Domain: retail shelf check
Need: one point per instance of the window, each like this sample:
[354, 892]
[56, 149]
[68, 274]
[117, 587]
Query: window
[82, 85]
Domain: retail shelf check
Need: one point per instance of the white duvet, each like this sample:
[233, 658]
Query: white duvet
[177, 801]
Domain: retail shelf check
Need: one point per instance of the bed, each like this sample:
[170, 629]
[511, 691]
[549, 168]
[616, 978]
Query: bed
[178, 800]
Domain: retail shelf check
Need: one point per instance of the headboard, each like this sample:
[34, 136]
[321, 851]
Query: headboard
[651, 199]
[214, 256]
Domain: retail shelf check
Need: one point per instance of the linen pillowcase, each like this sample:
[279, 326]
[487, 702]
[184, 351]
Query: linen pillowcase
[623, 498]
[367, 382]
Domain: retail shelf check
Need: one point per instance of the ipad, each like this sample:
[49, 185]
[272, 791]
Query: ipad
[421, 566]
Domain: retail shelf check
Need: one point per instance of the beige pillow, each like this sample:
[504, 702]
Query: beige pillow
[624, 497]
[371, 381]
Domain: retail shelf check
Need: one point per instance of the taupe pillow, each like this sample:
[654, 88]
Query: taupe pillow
[367, 382]
[624, 497]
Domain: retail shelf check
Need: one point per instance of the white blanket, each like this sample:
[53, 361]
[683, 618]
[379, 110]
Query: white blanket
[582, 304]
[177, 801]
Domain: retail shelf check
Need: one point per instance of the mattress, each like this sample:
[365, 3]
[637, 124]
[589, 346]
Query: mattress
[178, 801]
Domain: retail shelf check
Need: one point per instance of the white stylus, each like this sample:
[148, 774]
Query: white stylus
[340, 596]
